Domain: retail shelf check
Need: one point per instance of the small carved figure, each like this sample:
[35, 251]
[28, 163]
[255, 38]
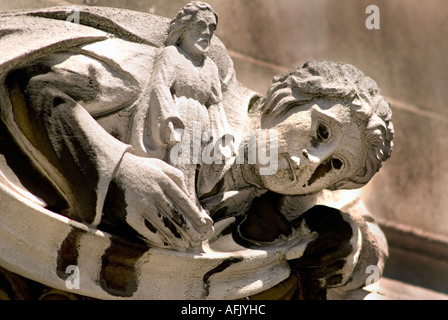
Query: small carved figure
[184, 96]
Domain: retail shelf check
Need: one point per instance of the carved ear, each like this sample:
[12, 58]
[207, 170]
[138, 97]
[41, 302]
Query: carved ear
[363, 109]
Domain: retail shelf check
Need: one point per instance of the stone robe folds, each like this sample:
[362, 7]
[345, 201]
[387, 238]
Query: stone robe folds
[107, 86]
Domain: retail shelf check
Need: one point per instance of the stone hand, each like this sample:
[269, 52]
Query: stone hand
[157, 205]
[172, 131]
[327, 259]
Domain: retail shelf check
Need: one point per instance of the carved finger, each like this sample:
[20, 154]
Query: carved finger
[173, 235]
[174, 174]
[156, 228]
[153, 236]
[176, 223]
[141, 223]
[198, 217]
[175, 189]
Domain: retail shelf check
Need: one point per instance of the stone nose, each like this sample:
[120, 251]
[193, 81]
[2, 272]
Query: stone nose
[207, 32]
[317, 155]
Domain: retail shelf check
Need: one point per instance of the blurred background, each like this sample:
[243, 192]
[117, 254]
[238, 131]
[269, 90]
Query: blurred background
[406, 56]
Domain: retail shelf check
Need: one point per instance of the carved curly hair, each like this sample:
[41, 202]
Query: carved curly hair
[346, 84]
[180, 23]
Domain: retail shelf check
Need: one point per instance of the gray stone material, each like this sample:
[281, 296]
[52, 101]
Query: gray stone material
[99, 109]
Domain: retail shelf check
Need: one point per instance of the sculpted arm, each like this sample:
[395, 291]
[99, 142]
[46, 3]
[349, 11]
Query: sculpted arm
[86, 163]
[338, 260]
[63, 140]
[373, 252]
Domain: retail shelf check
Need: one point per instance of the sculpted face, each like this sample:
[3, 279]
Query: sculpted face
[196, 39]
[319, 144]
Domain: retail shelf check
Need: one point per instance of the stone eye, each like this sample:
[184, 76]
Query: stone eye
[322, 132]
[336, 163]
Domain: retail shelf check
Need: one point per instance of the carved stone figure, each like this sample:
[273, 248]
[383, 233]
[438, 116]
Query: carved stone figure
[184, 89]
[94, 112]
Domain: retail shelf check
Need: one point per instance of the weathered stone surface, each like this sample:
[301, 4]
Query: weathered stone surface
[96, 108]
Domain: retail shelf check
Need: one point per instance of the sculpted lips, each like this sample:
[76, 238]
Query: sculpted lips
[203, 42]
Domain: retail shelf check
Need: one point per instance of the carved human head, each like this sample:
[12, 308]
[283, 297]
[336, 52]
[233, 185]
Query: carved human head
[330, 118]
[194, 15]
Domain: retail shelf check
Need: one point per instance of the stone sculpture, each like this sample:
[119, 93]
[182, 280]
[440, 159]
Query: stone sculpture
[100, 114]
